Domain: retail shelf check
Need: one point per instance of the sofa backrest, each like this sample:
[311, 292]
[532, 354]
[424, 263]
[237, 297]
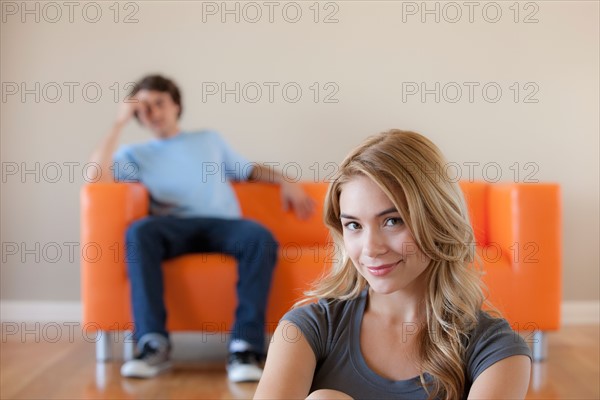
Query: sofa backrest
[262, 202]
[476, 197]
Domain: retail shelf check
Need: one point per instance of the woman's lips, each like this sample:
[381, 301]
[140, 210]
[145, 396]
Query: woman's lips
[381, 270]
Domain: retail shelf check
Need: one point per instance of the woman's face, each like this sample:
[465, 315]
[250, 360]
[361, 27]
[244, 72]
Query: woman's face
[377, 240]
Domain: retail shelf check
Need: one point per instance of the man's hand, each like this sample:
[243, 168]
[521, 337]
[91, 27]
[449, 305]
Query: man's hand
[127, 110]
[293, 195]
[103, 154]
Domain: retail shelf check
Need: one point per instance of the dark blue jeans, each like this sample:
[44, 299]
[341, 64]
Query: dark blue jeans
[156, 238]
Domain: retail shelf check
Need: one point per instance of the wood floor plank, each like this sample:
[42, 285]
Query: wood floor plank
[66, 369]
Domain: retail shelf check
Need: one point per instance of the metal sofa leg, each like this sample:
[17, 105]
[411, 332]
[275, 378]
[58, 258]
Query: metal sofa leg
[103, 346]
[128, 346]
[539, 346]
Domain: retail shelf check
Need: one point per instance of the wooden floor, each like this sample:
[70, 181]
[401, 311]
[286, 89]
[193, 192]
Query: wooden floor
[36, 368]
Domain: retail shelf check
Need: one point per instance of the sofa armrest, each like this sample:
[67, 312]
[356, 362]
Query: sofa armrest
[524, 223]
[107, 209]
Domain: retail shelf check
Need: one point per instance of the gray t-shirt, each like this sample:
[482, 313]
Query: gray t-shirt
[332, 328]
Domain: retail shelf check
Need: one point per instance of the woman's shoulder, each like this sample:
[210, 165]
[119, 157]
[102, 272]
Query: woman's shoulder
[322, 323]
[490, 341]
[490, 325]
[492, 329]
[326, 310]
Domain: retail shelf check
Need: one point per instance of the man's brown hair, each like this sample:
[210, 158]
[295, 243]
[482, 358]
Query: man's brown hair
[160, 84]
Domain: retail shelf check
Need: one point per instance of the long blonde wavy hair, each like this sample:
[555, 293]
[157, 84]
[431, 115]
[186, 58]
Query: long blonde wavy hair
[409, 169]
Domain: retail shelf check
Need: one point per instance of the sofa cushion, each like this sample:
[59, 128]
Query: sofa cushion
[200, 292]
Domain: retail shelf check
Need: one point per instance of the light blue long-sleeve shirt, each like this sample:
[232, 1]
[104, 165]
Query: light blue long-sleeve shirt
[187, 175]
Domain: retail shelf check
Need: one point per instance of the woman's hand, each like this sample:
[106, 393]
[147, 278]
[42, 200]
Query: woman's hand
[328, 394]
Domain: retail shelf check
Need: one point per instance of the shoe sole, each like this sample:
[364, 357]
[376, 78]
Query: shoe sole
[244, 376]
[150, 374]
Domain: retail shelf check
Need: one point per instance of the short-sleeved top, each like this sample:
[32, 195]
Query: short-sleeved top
[332, 328]
[187, 175]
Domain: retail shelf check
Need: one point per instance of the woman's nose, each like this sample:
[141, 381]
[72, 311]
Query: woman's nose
[374, 245]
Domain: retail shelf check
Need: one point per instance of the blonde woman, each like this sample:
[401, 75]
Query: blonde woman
[400, 317]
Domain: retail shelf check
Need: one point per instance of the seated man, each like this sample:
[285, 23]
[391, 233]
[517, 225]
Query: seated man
[192, 211]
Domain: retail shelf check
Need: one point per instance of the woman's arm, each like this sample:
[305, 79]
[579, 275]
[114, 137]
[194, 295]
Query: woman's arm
[290, 365]
[506, 379]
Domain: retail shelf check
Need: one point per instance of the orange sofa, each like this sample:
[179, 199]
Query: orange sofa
[517, 228]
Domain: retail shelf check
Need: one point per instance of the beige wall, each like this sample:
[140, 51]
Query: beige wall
[370, 57]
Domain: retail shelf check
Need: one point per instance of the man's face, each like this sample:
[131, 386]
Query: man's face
[157, 111]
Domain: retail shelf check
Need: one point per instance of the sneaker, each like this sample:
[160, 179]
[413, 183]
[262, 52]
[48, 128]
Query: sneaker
[152, 360]
[244, 366]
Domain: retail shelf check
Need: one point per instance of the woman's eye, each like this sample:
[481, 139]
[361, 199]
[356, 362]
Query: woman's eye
[393, 221]
[352, 226]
